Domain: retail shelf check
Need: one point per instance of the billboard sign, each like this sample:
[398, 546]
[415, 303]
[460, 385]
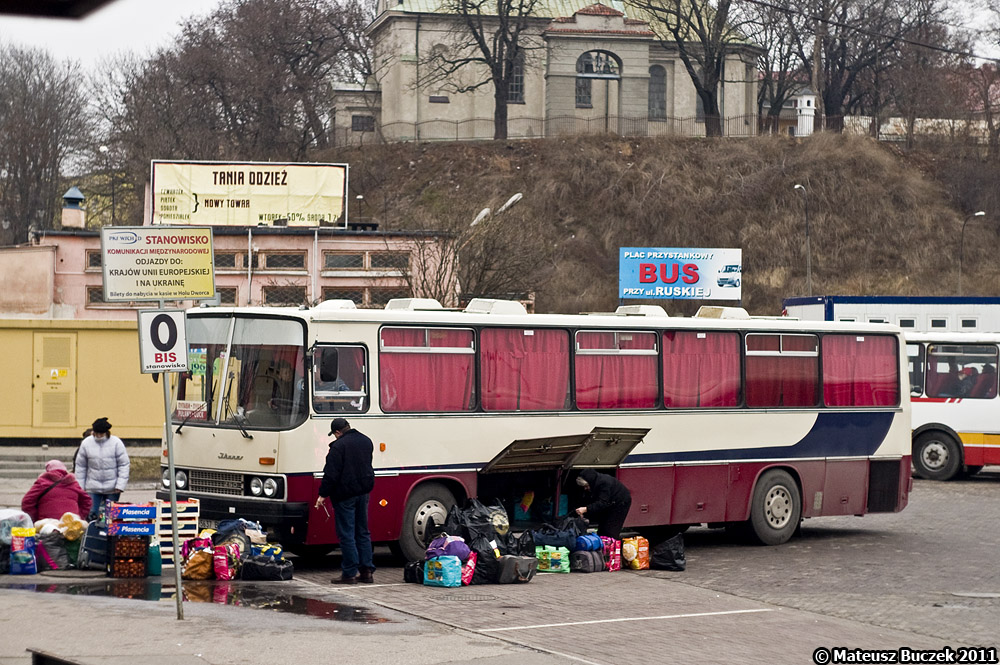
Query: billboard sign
[680, 273]
[157, 263]
[248, 194]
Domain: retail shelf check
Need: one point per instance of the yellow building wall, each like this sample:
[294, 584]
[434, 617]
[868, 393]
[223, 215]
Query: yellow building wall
[108, 383]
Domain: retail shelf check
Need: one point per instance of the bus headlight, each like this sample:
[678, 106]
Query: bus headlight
[165, 478]
[181, 478]
[270, 487]
[256, 486]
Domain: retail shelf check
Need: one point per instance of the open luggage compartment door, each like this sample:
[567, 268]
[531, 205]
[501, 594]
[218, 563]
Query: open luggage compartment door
[602, 448]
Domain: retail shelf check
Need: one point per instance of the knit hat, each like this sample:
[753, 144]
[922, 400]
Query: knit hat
[54, 465]
[102, 426]
[339, 425]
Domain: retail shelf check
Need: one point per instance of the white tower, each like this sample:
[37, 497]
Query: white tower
[805, 107]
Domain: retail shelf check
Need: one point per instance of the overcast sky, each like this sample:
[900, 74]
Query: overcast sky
[124, 25]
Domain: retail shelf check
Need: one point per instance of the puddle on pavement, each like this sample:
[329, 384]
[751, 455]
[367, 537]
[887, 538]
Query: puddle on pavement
[238, 594]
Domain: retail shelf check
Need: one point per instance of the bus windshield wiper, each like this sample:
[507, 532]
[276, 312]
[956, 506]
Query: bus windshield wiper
[236, 417]
[189, 417]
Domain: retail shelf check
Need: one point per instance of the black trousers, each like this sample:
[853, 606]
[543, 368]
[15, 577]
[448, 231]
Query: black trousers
[611, 520]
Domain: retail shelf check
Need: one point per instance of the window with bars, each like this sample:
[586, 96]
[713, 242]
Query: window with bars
[657, 93]
[227, 295]
[583, 94]
[343, 261]
[379, 297]
[94, 258]
[362, 123]
[334, 293]
[225, 259]
[284, 296]
[515, 93]
[285, 261]
[95, 295]
[390, 261]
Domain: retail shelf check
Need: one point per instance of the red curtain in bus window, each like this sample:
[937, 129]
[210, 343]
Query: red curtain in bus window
[611, 380]
[781, 380]
[413, 381]
[701, 369]
[524, 370]
[860, 370]
[351, 365]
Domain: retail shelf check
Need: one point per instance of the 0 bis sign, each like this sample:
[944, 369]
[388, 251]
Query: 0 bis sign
[680, 273]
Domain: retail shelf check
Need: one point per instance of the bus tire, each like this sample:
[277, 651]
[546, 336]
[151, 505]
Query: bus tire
[936, 456]
[776, 509]
[428, 501]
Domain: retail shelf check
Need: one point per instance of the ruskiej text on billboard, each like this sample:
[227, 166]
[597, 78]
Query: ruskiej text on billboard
[679, 273]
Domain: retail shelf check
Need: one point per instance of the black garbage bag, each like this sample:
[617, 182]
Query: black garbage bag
[487, 564]
[478, 519]
[264, 568]
[669, 555]
[524, 545]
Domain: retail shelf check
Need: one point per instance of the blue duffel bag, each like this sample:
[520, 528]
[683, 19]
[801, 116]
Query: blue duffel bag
[589, 542]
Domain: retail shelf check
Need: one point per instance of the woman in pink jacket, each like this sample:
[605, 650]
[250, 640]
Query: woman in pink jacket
[54, 493]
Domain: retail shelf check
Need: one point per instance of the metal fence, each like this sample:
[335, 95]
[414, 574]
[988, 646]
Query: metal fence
[479, 129]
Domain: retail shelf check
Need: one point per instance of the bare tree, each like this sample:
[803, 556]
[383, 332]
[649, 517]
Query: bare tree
[777, 27]
[490, 48]
[250, 81]
[42, 127]
[853, 38]
[703, 32]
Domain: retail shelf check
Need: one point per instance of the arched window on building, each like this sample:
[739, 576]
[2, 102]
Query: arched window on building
[657, 93]
[593, 65]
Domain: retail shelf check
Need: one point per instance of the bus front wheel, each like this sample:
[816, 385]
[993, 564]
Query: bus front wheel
[430, 501]
[776, 508]
[936, 456]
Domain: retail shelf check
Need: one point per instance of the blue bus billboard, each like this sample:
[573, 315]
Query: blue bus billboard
[680, 273]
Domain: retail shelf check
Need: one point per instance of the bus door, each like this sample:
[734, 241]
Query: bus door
[529, 477]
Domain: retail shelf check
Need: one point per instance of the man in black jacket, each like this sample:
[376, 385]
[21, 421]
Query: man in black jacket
[610, 501]
[348, 477]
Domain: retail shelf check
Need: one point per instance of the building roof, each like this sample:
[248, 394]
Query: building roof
[597, 9]
[544, 9]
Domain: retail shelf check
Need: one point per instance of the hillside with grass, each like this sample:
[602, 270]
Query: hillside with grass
[882, 222]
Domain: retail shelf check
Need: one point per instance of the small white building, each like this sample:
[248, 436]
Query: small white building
[915, 313]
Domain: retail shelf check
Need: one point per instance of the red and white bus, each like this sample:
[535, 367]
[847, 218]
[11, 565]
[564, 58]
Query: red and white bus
[756, 423]
[956, 410]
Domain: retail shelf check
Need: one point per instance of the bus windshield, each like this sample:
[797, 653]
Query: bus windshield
[243, 373]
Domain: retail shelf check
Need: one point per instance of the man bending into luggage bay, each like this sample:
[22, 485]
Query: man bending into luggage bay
[610, 501]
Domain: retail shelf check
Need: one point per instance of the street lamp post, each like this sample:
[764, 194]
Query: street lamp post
[961, 251]
[805, 202]
[107, 166]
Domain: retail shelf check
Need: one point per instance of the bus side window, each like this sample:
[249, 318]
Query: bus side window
[339, 379]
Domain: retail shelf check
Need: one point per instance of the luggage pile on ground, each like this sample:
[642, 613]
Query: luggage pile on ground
[28, 547]
[237, 550]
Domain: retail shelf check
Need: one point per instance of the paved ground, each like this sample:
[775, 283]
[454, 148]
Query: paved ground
[925, 578]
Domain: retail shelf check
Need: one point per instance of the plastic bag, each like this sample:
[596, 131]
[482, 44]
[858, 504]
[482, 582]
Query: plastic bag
[226, 561]
[487, 563]
[199, 566]
[612, 553]
[72, 526]
[22, 551]
[50, 551]
[669, 555]
[552, 559]
[448, 546]
[469, 569]
[9, 519]
[443, 571]
[635, 553]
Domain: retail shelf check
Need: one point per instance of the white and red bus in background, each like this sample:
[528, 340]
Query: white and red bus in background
[956, 411]
[719, 421]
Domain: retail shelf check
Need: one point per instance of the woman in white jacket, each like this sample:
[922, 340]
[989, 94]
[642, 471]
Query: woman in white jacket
[102, 467]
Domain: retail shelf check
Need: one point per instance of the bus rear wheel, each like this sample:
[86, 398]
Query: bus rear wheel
[776, 508]
[936, 456]
[431, 501]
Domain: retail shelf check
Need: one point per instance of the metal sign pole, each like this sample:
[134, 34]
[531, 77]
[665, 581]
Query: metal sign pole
[164, 379]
